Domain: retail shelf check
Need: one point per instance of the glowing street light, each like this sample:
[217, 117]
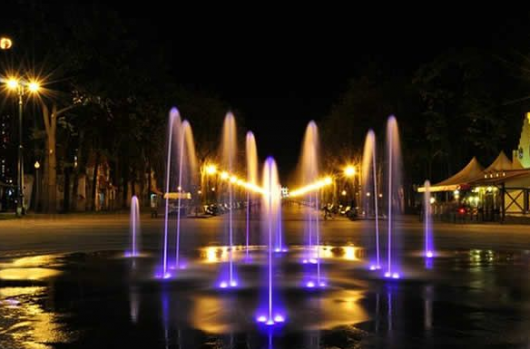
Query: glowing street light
[21, 87]
[211, 169]
[311, 187]
[37, 185]
[350, 171]
[5, 43]
[12, 84]
[33, 87]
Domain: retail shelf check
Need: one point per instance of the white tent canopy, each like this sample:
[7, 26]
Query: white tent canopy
[470, 173]
[500, 164]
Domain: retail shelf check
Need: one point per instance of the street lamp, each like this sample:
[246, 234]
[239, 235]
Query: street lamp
[37, 185]
[211, 169]
[5, 43]
[21, 87]
[350, 171]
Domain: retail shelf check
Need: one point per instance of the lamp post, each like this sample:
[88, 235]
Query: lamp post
[211, 170]
[350, 171]
[21, 87]
[37, 185]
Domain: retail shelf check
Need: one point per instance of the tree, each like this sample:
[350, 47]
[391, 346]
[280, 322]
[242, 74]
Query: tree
[50, 117]
[464, 94]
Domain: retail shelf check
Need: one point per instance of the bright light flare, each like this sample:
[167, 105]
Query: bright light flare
[12, 84]
[211, 169]
[239, 182]
[350, 171]
[312, 187]
[5, 43]
[279, 318]
[34, 87]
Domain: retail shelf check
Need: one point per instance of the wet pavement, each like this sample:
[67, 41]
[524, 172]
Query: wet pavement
[64, 283]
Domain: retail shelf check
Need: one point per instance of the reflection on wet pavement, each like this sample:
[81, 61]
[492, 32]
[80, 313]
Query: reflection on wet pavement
[467, 298]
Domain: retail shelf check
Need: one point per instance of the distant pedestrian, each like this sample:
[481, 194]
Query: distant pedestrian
[154, 205]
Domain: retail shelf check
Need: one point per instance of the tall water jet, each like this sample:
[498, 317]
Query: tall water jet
[187, 168]
[394, 200]
[309, 167]
[134, 227]
[270, 204]
[427, 223]
[252, 178]
[280, 243]
[369, 175]
[174, 120]
[228, 159]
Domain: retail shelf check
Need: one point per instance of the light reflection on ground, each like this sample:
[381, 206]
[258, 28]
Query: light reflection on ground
[71, 300]
[24, 323]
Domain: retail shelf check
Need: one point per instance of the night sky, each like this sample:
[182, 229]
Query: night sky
[281, 68]
[283, 71]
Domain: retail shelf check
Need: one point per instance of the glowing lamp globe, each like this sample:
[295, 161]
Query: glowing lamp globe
[5, 43]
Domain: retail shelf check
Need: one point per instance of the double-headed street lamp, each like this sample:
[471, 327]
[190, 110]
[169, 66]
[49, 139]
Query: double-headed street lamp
[21, 87]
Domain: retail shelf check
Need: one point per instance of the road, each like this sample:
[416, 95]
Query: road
[40, 234]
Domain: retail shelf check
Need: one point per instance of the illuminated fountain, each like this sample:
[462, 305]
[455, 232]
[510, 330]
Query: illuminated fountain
[134, 226]
[228, 160]
[369, 169]
[186, 177]
[174, 120]
[393, 163]
[270, 314]
[309, 168]
[280, 244]
[252, 177]
[180, 143]
[427, 224]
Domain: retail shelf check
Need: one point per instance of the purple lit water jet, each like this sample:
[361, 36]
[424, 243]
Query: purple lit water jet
[271, 201]
[186, 173]
[427, 224]
[228, 156]
[393, 190]
[309, 167]
[174, 119]
[370, 163]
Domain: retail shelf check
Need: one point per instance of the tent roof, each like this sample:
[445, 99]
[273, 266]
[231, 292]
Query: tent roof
[471, 172]
[501, 163]
[499, 178]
